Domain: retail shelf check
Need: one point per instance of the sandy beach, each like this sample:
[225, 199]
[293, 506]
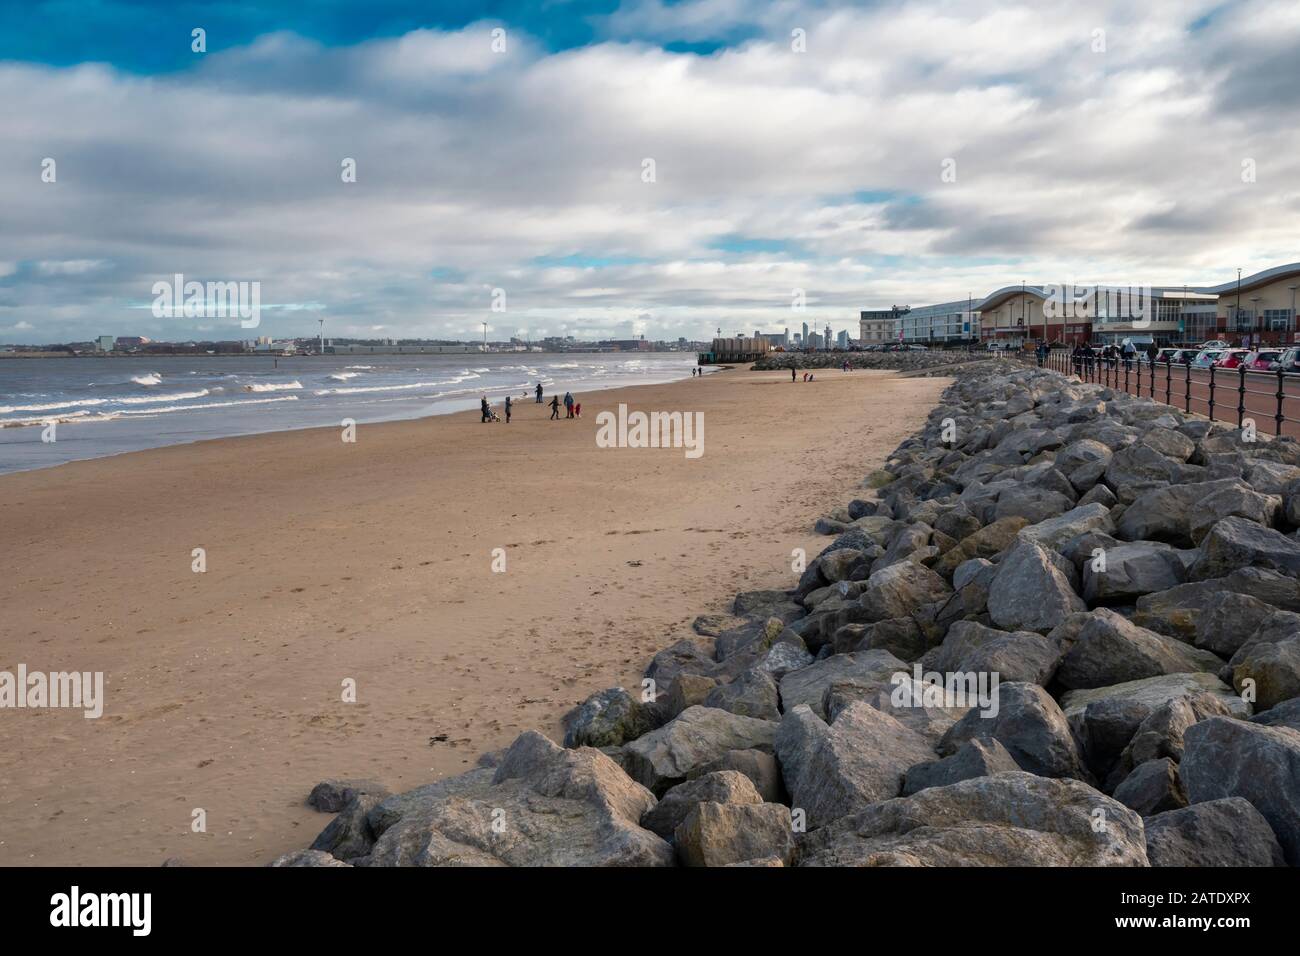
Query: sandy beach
[373, 562]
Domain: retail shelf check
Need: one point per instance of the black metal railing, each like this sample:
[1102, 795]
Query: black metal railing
[1257, 394]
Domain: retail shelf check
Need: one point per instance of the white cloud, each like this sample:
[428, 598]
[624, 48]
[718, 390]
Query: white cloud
[472, 166]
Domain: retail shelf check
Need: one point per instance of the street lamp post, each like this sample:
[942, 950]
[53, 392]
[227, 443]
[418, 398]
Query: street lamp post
[1238, 307]
[1292, 322]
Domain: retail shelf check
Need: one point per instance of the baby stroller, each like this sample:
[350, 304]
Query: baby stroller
[492, 414]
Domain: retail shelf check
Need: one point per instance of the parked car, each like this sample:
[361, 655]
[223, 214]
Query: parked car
[1214, 344]
[1184, 356]
[1289, 360]
[1231, 358]
[1206, 357]
[1265, 360]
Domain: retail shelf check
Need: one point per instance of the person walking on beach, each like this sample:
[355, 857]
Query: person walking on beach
[555, 407]
[792, 375]
[539, 393]
[487, 412]
[508, 409]
[577, 409]
[568, 405]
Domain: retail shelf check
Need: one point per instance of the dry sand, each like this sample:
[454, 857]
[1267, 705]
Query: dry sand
[372, 561]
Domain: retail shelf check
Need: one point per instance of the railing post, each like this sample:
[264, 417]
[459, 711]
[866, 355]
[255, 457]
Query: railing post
[1127, 363]
[1241, 395]
[1212, 368]
[1281, 396]
[1187, 397]
[1169, 379]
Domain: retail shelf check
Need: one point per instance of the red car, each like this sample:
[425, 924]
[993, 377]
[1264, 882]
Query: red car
[1231, 358]
[1265, 360]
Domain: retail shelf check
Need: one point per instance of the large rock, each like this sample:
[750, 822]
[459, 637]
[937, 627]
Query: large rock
[752, 694]
[1234, 543]
[1009, 819]
[1271, 477]
[1136, 468]
[860, 759]
[725, 786]
[717, 834]
[1227, 832]
[987, 542]
[1224, 757]
[696, 736]
[761, 769]
[808, 685]
[974, 758]
[392, 809]
[1110, 649]
[687, 656]
[1239, 501]
[608, 718]
[349, 834]
[1029, 592]
[1152, 692]
[1273, 667]
[1228, 620]
[927, 707]
[306, 858]
[970, 647]
[546, 806]
[1083, 452]
[1031, 727]
[1152, 787]
[1165, 514]
[1281, 715]
[1161, 733]
[1030, 503]
[1055, 531]
[1131, 570]
[900, 590]
[758, 602]
[1178, 611]
[331, 796]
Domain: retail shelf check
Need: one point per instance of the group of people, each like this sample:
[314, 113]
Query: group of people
[807, 376]
[572, 407]
[1084, 354]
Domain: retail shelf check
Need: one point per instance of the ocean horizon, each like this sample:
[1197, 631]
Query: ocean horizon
[111, 405]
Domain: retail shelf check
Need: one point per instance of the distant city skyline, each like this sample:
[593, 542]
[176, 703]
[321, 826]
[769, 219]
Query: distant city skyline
[607, 170]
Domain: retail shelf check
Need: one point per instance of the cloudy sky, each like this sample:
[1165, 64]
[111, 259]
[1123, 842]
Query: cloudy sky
[795, 145]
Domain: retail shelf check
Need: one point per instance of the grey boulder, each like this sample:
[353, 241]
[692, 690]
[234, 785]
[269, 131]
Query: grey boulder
[1008, 819]
[1225, 832]
[696, 736]
[1224, 757]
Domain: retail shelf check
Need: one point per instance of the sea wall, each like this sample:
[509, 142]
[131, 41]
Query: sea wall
[1061, 627]
[898, 361]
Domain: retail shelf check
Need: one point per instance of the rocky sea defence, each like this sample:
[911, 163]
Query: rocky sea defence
[1060, 627]
[896, 361]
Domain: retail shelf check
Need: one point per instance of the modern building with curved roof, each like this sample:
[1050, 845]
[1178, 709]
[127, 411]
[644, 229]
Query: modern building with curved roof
[1252, 310]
